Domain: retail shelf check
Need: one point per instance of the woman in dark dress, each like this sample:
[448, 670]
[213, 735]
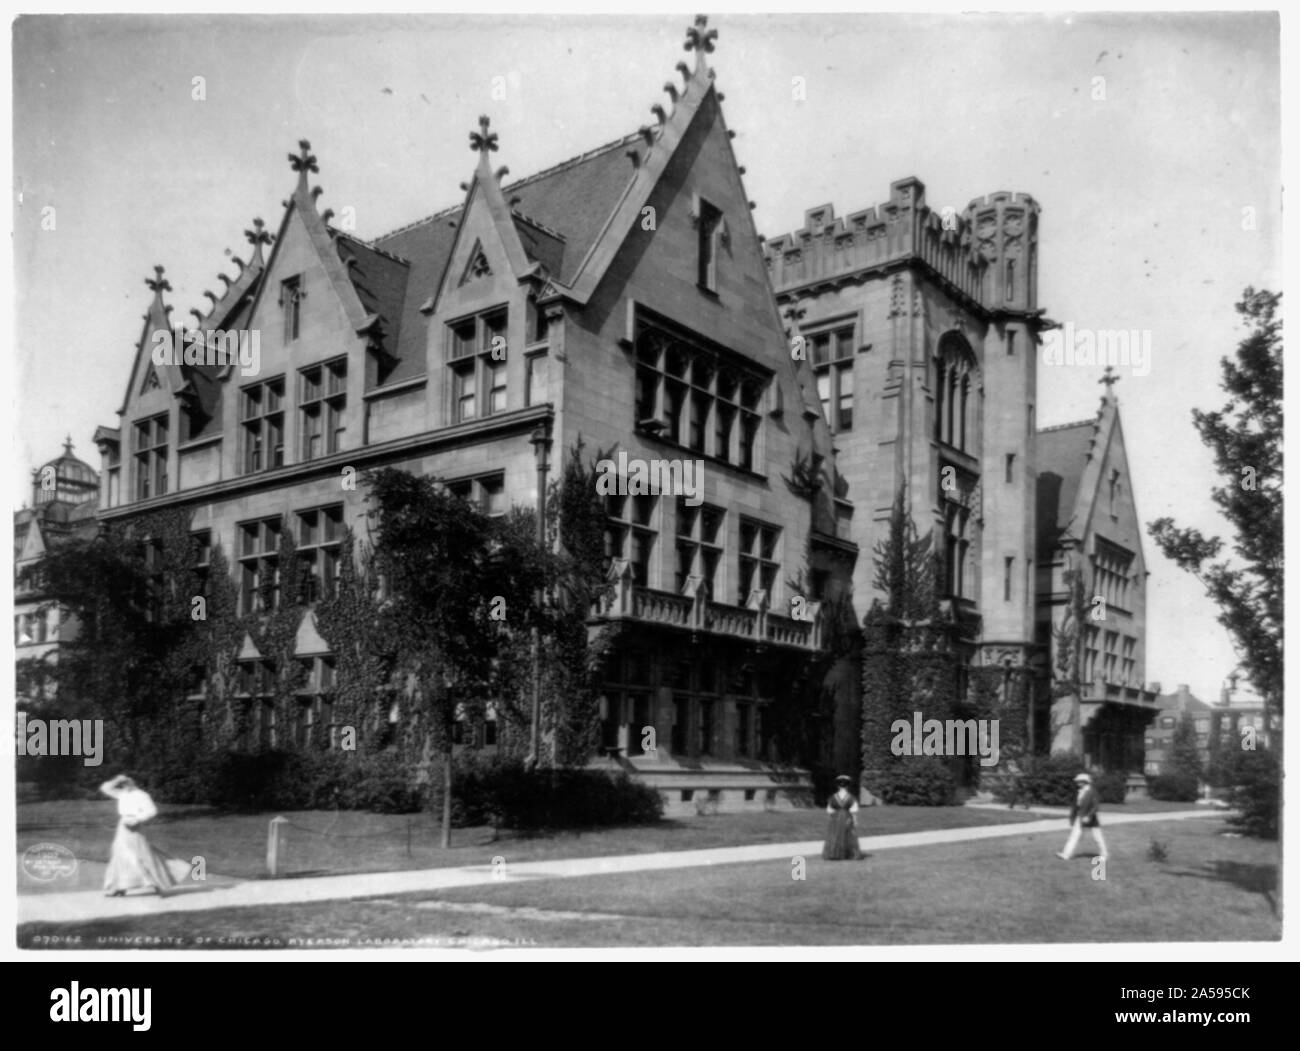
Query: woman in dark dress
[842, 836]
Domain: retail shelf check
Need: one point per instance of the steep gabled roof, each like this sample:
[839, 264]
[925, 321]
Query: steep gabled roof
[564, 223]
[540, 244]
[1062, 455]
[381, 281]
[557, 212]
[574, 200]
[426, 246]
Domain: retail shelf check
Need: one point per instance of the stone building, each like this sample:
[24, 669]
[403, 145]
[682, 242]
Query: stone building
[624, 298]
[65, 497]
[1089, 532]
[921, 332]
[619, 298]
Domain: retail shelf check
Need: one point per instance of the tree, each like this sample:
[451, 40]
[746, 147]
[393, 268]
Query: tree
[578, 583]
[909, 660]
[129, 591]
[1184, 752]
[1246, 438]
[453, 586]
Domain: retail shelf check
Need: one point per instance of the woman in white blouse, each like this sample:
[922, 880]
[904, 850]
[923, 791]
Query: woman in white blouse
[135, 864]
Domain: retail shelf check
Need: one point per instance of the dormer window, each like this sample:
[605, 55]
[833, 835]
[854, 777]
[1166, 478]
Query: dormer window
[477, 355]
[150, 440]
[322, 401]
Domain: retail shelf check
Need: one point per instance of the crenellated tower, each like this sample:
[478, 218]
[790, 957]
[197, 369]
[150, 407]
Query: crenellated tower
[921, 325]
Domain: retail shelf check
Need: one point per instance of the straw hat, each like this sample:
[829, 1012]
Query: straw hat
[1084, 779]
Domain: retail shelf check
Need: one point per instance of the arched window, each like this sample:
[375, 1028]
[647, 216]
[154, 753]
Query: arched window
[954, 383]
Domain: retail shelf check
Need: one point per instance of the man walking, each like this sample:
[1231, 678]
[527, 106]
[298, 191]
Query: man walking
[1083, 814]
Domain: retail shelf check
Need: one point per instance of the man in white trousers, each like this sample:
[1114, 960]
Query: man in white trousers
[1083, 814]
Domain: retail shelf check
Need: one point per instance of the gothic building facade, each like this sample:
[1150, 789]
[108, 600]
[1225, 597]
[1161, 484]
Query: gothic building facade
[619, 299]
[624, 298]
[919, 330]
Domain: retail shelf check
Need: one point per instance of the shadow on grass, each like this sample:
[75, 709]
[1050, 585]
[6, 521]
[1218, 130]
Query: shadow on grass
[1258, 879]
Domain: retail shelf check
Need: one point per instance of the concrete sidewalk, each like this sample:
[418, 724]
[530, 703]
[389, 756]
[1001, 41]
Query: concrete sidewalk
[81, 906]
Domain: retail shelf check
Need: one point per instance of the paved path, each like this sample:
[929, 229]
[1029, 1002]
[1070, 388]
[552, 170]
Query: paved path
[80, 906]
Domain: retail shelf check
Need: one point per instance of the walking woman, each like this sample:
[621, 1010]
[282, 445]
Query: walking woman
[135, 864]
[842, 836]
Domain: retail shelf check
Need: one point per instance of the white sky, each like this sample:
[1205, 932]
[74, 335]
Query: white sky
[1142, 193]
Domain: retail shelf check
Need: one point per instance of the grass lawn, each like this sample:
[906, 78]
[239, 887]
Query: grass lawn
[1211, 887]
[339, 843]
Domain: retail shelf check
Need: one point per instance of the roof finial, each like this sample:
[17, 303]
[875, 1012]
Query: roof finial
[699, 38]
[1109, 379]
[303, 163]
[483, 141]
[67, 445]
[158, 284]
[257, 237]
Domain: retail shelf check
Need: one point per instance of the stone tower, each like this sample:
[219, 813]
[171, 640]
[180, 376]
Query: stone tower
[920, 328]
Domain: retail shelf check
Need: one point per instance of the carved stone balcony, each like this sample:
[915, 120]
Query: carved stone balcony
[694, 611]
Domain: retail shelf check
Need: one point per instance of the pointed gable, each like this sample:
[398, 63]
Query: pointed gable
[1084, 488]
[147, 377]
[33, 543]
[301, 209]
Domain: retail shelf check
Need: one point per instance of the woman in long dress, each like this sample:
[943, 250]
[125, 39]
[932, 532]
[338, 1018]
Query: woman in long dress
[842, 836]
[135, 864]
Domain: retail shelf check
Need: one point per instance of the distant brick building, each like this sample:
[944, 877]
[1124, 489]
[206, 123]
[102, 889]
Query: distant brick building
[1228, 719]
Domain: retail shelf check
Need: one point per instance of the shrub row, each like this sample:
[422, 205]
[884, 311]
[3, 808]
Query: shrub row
[1174, 788]
[915, 781]
[1043, 781]
[485, 791]
[502, 793]
[1112, 787]
[275, 780]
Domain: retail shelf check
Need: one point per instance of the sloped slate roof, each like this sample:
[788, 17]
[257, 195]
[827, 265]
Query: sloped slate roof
[426, 246]
[1062, 454]
[575, 199]
[540, 245]
[382, 279]
[558, 214]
